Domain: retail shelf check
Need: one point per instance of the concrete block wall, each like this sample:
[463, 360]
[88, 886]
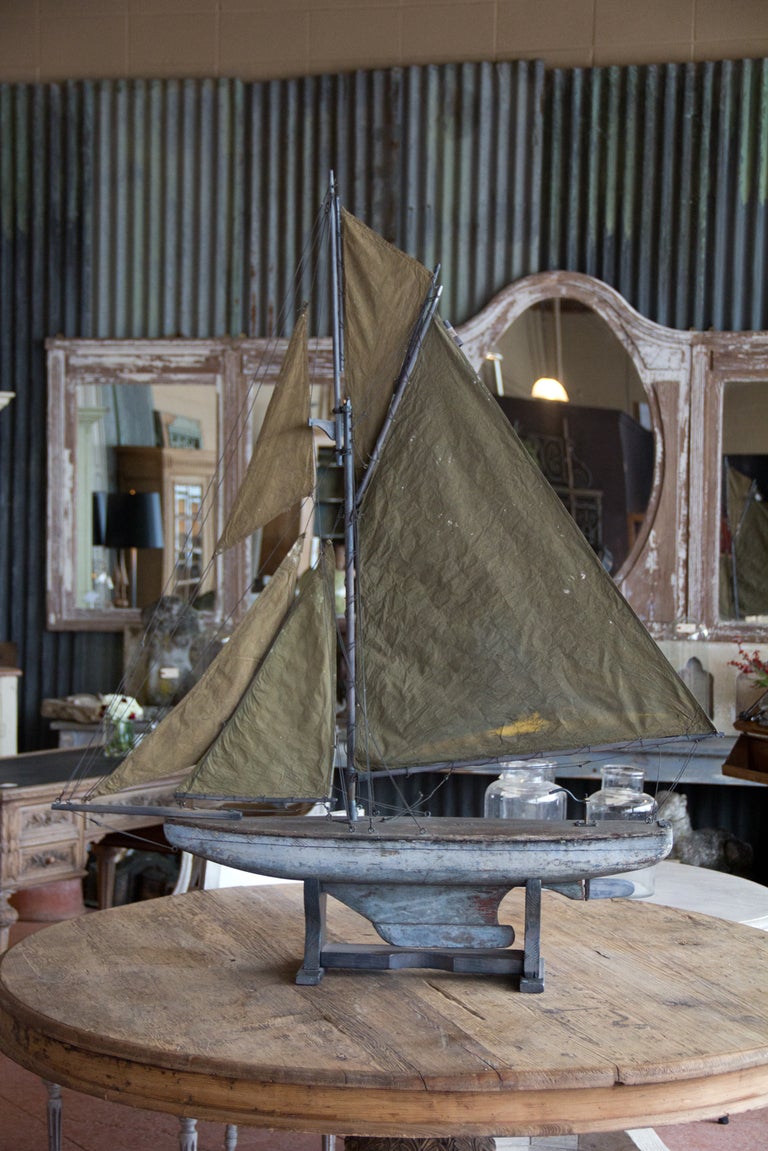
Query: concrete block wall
[52, 40]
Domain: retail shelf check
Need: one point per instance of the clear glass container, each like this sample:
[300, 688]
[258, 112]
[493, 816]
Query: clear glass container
[526, 789]
[621, 796]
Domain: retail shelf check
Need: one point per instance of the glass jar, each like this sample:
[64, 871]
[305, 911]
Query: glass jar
[120, 737]
[526, 789]
[621, 796]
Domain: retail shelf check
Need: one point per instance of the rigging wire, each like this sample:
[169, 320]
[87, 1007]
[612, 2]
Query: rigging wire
[130, 683]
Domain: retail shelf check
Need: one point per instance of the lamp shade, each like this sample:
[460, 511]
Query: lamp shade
[547, 388]
[134, 520]
[99, 515]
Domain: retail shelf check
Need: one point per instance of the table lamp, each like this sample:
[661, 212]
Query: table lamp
[133, 520]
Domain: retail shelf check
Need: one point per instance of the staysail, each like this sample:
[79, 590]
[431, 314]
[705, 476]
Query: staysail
[190, 727]
[489, 627]
[282, 468]
[279, 742]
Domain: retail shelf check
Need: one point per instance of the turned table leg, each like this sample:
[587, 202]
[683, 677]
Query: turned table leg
[8, 916]
[187, 1134]
[54, 1115]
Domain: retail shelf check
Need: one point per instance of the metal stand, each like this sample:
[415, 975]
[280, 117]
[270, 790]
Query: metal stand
[319, 957]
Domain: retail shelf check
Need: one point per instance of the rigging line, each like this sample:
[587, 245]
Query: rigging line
[352, 504]
[241, 425]
[209, 504]
[210, 496]
[564, 757]
[681, 772]
[168, 848]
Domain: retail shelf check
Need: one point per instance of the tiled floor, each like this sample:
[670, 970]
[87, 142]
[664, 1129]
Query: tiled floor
[91, 1124]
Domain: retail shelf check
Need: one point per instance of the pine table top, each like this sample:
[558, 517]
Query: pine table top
[188, 1005]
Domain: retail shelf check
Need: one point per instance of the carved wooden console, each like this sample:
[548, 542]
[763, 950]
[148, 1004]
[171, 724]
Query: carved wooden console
[38, 845]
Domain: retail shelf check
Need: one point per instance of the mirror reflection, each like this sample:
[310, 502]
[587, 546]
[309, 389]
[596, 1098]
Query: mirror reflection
[145, 458]
[743, 591]
[573, 394]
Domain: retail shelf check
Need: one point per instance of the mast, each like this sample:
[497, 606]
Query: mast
[344, 456]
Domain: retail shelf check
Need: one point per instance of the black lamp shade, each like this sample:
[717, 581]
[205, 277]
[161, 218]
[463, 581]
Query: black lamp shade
[134, 520]
[99, 518]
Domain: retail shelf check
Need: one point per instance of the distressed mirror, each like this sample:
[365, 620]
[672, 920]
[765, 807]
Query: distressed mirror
[153, 416]
[743, 568]
[573, 395]
[139, 417]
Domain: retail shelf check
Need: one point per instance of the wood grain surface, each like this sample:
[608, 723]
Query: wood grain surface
[187, 1004]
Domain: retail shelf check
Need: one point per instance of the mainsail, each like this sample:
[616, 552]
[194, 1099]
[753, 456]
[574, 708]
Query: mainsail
[488, 626]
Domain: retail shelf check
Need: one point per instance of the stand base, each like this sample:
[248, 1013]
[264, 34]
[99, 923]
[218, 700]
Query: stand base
[526, 963]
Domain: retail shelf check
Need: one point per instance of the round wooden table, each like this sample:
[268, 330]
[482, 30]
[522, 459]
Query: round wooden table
[188, 1005]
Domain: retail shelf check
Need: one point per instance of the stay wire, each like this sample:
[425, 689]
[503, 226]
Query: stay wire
[94, 750]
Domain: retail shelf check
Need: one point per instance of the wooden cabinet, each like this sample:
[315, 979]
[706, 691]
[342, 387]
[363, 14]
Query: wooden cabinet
[183, 477]
[39, 845]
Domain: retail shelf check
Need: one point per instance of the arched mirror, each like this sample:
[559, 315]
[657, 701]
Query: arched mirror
[574, 396]
[605, 428]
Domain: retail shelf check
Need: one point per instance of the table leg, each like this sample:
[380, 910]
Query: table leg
[646, 1139]
[328, 1143]
[8, 916]
[54, 1115]
[230, 1137]
[187, 1134]
[106, 869]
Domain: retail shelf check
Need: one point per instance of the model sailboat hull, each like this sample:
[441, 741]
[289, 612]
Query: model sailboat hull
[432, 882]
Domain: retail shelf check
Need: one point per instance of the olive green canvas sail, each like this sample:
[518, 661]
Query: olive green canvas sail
[384, 291]
[488, 627]
[190, 727]
[279, 743]
[282, 469]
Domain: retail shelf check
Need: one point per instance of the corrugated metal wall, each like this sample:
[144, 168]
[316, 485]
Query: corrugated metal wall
[161, 208]
[656, 180]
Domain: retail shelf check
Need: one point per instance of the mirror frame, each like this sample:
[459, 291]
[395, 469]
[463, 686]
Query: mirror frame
[671, 573]
[719, 358]
[177, 362]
